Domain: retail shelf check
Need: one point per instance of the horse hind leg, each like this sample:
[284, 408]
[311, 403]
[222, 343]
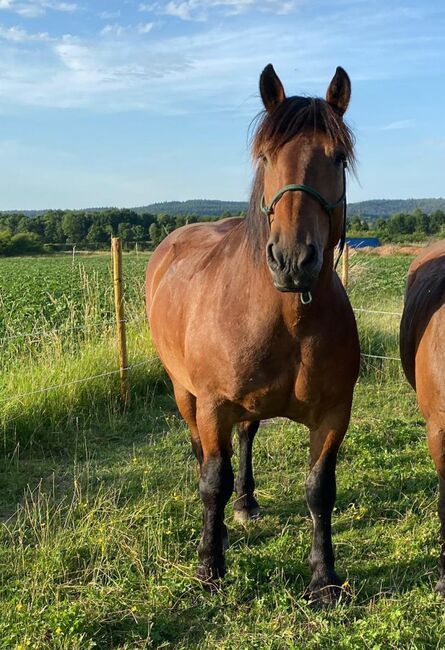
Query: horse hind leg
[436, 446]
[245, 506]
[186, 403]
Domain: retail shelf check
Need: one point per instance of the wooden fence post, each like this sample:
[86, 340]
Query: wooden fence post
[345, 267]
[116, 253]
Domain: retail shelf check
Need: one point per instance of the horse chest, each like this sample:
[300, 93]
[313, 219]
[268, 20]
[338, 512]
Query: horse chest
[292, 384]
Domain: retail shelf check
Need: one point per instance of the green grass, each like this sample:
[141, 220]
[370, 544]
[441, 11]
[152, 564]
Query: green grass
[101, 517]
[59, 303]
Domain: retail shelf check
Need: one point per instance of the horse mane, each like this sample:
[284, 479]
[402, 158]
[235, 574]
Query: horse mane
[273, 130]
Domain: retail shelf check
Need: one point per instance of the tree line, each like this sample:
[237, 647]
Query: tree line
[401, 227]
[57, 229]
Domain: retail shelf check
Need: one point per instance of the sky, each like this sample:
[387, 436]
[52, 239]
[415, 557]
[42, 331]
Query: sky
[126, 103]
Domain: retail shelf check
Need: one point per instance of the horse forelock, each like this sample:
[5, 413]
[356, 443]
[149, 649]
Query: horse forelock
[295, 114]
[276, 128]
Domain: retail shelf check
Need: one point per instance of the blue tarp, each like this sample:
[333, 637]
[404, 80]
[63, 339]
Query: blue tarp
[362, 242]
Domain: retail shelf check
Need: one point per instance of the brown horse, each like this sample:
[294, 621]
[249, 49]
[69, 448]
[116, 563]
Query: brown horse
[422, 349]
[251, 321]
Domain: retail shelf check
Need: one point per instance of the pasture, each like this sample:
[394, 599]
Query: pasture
[100, 514]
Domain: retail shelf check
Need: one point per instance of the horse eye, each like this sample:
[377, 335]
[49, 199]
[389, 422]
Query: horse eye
[340, 159]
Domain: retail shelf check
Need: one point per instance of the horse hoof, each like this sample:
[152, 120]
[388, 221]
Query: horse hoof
[440, 587]
[245, 508]
[243, 515]
[210, 577]
[325, 591]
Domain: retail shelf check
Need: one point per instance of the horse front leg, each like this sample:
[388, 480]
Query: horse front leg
[325, 585]
[245, 505]
[215, 487]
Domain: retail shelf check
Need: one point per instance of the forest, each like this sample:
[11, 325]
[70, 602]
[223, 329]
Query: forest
[400, 227]
[58, 230]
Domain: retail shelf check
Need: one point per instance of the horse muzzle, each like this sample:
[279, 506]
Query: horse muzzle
[294, 271]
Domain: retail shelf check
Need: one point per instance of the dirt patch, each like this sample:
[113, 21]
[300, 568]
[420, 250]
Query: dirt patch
[393, 249]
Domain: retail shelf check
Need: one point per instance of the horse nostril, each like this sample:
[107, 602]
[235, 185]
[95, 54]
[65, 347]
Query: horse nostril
[274, 256]
[307, 256]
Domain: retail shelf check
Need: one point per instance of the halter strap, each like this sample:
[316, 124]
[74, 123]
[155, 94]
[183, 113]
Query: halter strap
[268, 210]
[328, 207]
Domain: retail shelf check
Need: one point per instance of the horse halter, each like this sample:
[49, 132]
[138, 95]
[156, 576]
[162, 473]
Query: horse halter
[306, 297]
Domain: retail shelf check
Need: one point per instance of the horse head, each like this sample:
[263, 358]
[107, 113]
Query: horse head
[302, 146]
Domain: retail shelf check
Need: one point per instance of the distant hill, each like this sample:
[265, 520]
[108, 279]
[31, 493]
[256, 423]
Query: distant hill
[213, 208]
[36, 213]
[366, 209]
[386, 207]
[200, 207]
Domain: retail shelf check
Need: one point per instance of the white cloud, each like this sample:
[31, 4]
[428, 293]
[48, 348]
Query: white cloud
[74, 56]
[19, 35]
[113, 30]
[120, 30]
[109, 15]
[399, 124]
[29, 11]
[62, 6]
[208, 69]
[98, 70]
[144, 28]
[36, 8]
[199, 10]
[181, 10]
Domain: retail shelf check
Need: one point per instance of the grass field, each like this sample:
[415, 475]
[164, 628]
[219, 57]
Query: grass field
[100, 512]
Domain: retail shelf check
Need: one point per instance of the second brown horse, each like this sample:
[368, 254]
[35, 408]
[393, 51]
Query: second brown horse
[422, 350]
[225, 305]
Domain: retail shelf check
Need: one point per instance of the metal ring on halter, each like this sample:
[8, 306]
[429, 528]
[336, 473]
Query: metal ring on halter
[306, 297]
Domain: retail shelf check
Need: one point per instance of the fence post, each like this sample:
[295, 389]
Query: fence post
[345, 267]
[116, 253]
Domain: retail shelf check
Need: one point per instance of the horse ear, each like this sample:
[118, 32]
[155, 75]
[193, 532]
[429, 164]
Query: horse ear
[339, 91]
[271, 88]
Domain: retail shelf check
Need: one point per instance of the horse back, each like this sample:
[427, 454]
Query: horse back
[422, 328]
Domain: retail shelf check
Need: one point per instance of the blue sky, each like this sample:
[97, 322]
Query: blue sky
[126, 103]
